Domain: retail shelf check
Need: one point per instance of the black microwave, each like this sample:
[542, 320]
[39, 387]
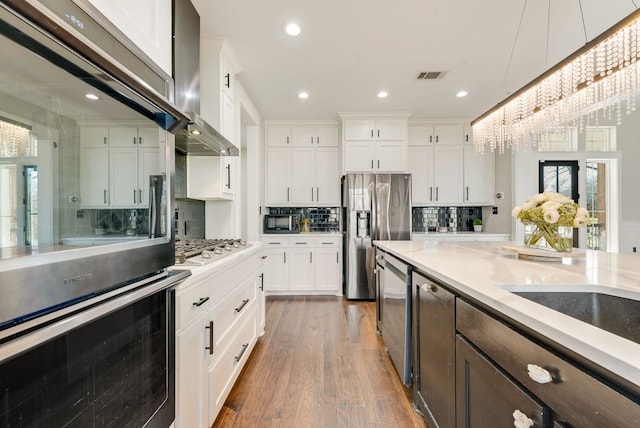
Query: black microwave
[281, 223]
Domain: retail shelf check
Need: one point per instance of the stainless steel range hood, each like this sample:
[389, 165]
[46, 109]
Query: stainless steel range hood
[201, 139]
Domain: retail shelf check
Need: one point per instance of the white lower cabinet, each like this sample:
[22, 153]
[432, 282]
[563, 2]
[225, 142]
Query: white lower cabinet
[303, 265]
[218, 320]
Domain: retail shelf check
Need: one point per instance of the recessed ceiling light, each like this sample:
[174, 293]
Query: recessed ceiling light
[292, 29]
[462, 94]
[383, 94]
[92, 96]
[303, 95]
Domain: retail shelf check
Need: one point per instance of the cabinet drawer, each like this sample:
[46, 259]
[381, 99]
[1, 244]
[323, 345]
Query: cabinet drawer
[195, 300]
[328, 242]
[572, 393]
[226, 368]
[276, 243]
[486, 397]
[230, 309]
[300, 242]
[225, 282]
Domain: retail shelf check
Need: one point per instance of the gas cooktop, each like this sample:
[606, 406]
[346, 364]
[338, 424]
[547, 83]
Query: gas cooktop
[199, 252]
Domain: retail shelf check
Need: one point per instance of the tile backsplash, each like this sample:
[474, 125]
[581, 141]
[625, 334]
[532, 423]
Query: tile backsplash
[320, 219]
[456, 219]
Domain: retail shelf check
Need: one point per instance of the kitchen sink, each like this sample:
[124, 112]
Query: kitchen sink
[616, 314]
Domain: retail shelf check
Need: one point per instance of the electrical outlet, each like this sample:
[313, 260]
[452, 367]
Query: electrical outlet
[634, 249]
[495, 210]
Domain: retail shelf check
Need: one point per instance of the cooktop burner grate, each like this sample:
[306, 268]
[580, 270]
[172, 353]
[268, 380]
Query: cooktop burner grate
[203, 251]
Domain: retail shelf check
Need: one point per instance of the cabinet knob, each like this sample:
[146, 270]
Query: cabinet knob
[539, 374]
[520, 420]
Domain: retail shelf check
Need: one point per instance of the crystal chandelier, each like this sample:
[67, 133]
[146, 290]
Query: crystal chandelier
[602, 76]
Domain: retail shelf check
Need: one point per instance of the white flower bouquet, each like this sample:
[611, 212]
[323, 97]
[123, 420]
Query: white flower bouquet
[549, 218]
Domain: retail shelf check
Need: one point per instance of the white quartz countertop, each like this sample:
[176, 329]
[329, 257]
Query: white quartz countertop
[484, 272]
[458, 235]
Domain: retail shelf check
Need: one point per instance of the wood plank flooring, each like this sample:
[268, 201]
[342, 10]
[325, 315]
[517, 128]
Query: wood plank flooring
[319, 364]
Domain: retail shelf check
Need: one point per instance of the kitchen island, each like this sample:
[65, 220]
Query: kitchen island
[484, 278]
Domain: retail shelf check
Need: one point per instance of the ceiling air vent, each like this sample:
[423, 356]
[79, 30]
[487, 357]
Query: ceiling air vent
[429, 75]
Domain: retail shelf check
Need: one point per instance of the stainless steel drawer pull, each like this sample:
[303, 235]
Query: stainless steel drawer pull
[241, 307]
[238, 357]
[521, 420]
[539, 374]
[201, 301]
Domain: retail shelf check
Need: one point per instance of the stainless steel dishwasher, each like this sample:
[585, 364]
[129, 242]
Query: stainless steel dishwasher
[394, 311]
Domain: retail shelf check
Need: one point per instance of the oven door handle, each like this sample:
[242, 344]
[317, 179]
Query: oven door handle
[64, 325]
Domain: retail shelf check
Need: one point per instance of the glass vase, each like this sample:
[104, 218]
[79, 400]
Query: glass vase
[548, 237]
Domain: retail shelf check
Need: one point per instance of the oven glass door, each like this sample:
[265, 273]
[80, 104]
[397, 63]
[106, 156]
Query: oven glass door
[85, 164]
[116, 370]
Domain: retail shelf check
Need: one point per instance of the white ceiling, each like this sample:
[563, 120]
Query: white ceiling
[350, 49]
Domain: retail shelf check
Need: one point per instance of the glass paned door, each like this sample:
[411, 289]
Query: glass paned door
[597, 204]
[30, 174]
[560, 177]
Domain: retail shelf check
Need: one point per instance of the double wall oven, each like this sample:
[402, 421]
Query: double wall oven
[86, 172]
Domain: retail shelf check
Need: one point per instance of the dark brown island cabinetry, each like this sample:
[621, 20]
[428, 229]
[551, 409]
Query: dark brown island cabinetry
[539, 377]
[473, 367]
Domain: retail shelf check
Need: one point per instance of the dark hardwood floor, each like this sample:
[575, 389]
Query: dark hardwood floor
[319, 364]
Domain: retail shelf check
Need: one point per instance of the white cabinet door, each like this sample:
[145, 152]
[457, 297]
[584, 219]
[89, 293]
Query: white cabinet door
[277, 188]
[123, 177]
[391, 130]
[94, 177]
[327, 166]
[420, 165]
[227, 75]
[391, 156]
[192, 390]
[448, 134]
[275, 269]
[327, 269]
[359, 129]
[125, 137]
[228, 119]
[301, 272]
[148, 165]
[302, 179]
[420, 135]
[359, 156]
[327, 137]
[447, 174]
[148, 137]
[278, 136]
[479, 173]
[94, 137]
[302, 136]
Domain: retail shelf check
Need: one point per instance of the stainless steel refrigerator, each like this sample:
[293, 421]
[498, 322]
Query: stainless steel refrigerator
[374, 207]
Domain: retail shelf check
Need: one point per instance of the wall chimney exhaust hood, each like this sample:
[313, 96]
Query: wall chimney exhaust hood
[201, 139]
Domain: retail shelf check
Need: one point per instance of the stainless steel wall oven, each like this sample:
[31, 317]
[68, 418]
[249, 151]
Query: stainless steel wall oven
[87, 130]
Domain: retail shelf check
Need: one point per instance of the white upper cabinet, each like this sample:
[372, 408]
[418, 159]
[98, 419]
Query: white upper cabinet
[147, 23]
[445, 168]
[115, 165]
[302, 164]
[374, 143]
[436, 134]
